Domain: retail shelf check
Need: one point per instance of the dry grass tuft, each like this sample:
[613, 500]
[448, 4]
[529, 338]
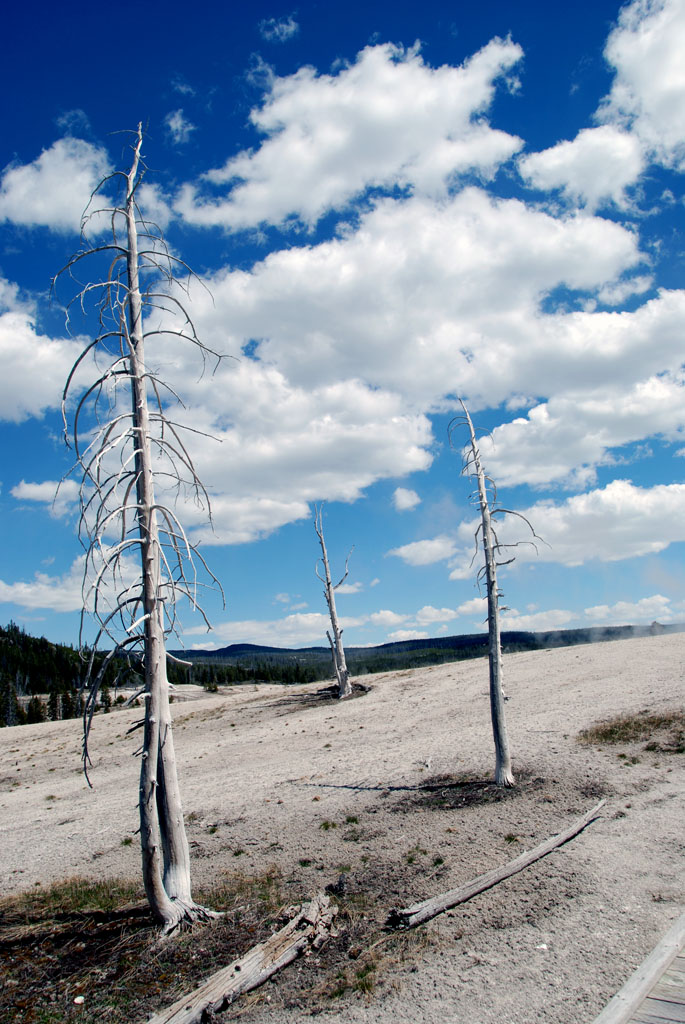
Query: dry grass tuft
[663, 732]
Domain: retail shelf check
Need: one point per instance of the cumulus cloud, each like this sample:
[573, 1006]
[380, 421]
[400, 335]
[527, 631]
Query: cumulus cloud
[65, 593]
[33, 367]
[407, 634]
[647, 97]
[387, 120]
[427, 615]
[553, 618]
[56, 593]
[424, 296]
[60, 497]
[426, 552]
[55, 188]
[608, 524]
[404, 499]
[299, 629]
[289, 446]
[476, 606]
[349, 588]
[598, 165]
[385, 617]
[546, 446]
[648, 609]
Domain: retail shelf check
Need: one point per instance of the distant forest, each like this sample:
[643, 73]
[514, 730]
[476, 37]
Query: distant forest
[42, 681]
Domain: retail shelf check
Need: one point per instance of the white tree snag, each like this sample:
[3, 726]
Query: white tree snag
[123, 454]
[337, 649]
[308, 930]
[503, 770]
[419, 913]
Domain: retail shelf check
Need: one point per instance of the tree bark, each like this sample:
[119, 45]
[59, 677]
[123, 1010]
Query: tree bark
[308, 930]
[503, 771]
[166, 877]
[337, 649]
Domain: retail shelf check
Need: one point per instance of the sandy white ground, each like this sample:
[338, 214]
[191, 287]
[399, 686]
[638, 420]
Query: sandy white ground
[262, 769]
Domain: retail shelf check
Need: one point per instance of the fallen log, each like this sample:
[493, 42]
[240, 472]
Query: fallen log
[419, 913]
[307, 930]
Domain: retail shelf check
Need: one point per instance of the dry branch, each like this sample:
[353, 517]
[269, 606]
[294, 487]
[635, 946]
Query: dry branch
[307, 930]
[419, 913]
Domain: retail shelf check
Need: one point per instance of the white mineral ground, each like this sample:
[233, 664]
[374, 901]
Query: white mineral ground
[260, 771]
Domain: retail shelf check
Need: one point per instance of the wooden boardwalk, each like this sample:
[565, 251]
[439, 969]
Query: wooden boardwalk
[655, 994]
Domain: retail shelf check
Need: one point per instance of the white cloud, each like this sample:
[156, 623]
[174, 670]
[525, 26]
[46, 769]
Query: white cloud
[407, 634]
[649, 609]
[178, 127]
[404, 499]
[615, 294]
[476, 606]
[616, 522]
[349, 588]
[599, 165]
[426, 552]
[288, 446]
[426, 615]
[60, 497]
[300, 629]
[387, 618]
[425, 297]
[56, 593]
[54, 189]
[546, 445]
[386, 120]
[65, 593]
[647, 97]
[553, 618]
[278, 30]
[33, 367]
[154, 205]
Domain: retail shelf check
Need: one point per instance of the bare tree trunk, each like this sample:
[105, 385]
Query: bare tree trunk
[114, 455]
[161, 813]
[337, 649]
[503, 770]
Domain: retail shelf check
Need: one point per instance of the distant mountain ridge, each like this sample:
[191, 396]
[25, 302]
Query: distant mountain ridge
[460, 646]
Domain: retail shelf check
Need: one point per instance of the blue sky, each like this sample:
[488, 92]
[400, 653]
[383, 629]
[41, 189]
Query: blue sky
[391, 205]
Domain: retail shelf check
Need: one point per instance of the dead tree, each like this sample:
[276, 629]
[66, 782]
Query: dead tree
[486, 536]
[127, 447]
[337, 649]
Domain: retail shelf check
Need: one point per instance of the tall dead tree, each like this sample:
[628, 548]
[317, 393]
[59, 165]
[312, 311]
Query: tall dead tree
[127, 446]
[337, 649]
[486, 536]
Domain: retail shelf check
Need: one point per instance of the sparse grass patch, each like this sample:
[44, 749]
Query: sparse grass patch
[663, 732]
[98, 940]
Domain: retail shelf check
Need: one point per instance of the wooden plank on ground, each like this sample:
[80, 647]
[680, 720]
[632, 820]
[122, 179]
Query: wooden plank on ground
[664, 1009]
[625, 1007]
